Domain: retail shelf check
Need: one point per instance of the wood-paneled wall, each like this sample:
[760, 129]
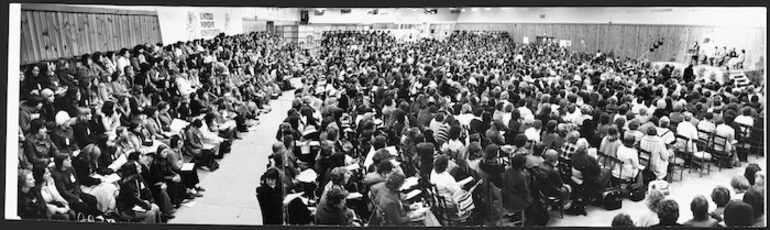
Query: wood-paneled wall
[634, 40]
[48, 33]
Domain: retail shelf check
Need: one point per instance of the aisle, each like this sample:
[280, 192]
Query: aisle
[230, 197]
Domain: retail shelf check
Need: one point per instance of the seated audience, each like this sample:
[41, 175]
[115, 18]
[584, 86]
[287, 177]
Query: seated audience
[700, 218]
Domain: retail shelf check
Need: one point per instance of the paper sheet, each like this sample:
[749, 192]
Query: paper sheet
[177, 125]
[465, 181]
[118, 163]
[291, 197]
[353, 167]
[187, 167]
[307, 176]
[409, 182]
[413, 194]
[138, 209]
[355, 195]
[392, 150]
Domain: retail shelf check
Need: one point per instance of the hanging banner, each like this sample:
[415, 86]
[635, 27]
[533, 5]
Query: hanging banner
[199, 23]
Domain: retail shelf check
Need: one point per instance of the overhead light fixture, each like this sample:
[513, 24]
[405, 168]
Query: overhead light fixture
[487, 8]
[463, 10]
[474, 9]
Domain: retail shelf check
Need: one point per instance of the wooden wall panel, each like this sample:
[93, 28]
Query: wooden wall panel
[634, 41]
[48, 34]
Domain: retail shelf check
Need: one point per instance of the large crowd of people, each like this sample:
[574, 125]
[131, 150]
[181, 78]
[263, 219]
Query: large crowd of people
[470, 130]
[120, 135]
[479, 130]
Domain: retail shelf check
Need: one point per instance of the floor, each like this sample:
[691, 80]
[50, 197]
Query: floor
[230, 198]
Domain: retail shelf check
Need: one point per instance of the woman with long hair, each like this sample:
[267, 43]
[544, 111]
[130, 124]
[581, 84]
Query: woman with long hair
[135, 192]
[57, 206]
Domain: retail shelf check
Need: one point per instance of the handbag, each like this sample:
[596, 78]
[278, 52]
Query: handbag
[660, 185]
[463, 201]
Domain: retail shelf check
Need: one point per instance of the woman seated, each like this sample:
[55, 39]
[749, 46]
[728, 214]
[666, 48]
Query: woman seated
[587, 175]
[194, 144]
[135, 200]
[58, 207]
[69, 187]
[446, 184]
[332, 210]
[659, 153]
[164, 173]
[700, 207]
[395, 211]
[176, 161]
[30, 201]
[515, 190]
[38, 146]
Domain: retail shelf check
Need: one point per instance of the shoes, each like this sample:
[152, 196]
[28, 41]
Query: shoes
[194, 193]
[200, 189]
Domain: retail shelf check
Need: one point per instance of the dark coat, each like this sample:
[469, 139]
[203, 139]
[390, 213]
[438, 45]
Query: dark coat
[67, 187]
[271, 204]
[515, 190]
[549, 180]
[31, 205]
[133, 191]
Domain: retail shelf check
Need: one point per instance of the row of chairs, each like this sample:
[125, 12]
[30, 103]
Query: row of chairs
[714, 149]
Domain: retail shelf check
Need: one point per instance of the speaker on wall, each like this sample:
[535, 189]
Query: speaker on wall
[303, 17]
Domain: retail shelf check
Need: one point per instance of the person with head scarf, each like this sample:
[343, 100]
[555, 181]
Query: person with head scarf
[549, 179]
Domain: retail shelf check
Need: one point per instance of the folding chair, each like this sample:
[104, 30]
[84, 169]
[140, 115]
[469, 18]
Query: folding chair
[757, 141]
[701, 158]
[743, 137]
[678, 159]
[719, 151]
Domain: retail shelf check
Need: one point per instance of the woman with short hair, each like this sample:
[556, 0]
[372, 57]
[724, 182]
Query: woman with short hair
[700, 217]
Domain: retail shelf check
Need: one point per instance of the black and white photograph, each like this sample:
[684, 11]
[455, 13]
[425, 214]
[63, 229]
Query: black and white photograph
[399, 116]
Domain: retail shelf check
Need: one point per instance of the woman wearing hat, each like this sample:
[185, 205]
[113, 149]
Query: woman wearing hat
[63, 135]
[659, 154]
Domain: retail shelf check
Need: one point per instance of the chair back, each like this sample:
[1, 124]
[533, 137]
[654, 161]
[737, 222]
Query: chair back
[644, 157]
[719, 143]
[704, 135]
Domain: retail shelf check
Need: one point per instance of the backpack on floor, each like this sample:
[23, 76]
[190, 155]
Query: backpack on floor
[636, 192]
[612, 199]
